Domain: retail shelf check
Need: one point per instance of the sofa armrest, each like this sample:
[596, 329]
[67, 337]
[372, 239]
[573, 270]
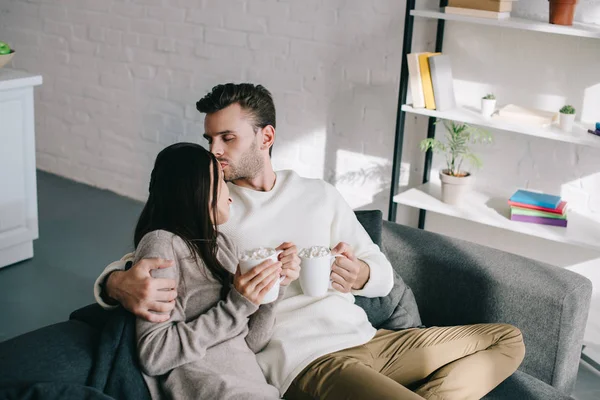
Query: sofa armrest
[457, 282]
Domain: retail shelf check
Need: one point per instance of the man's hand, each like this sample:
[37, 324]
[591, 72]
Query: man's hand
[290, 262]
[257, 282]
[348, 272]
[140, 293]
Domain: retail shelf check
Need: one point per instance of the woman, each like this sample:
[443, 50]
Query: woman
[207, 349]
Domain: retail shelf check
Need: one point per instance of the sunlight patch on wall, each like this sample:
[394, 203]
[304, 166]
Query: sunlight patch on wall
[360, 178]
[305, 155]
[591, 104]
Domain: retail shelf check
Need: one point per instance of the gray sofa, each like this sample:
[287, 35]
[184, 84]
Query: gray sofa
[454, 283]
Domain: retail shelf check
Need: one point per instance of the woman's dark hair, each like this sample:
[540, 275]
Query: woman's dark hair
[256, 100]
[180, 190]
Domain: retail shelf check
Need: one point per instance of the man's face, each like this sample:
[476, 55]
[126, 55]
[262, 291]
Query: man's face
[233, 141]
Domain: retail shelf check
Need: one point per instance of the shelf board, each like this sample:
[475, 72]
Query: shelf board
[492, 209]
[579, 135]
[578, 29]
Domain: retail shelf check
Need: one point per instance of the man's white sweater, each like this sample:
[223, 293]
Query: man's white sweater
[307, 212]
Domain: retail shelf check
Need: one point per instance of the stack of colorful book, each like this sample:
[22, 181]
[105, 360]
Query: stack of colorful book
[538, 208]
[494, 9]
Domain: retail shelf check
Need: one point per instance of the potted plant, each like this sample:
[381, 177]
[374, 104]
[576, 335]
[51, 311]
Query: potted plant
[456, 182]
[562, 11]
[6, 54]
[567, 118]
[488, 105]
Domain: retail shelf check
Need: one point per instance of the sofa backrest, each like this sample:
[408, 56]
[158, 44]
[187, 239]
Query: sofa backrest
[372, 221]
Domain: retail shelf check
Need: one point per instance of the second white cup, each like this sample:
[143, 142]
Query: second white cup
[315, 274]
[247, 265]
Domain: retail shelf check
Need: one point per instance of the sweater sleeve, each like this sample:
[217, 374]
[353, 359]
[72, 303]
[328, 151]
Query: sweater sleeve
[168, 345]
[346, 228]
[261, 323]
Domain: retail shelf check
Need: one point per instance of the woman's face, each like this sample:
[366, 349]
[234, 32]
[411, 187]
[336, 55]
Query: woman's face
[223, 199]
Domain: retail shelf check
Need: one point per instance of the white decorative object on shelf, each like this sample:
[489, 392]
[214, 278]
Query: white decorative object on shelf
[566, 122]
[18, 194]
[488, 105]
[513, 113]
[492, 209]
[577, 29]
[567, 118]
[472, 116]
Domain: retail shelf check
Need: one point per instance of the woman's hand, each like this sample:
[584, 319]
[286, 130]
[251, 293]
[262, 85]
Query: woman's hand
[255, 283]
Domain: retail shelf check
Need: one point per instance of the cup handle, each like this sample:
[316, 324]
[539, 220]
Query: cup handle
[281, 278]
[333, 257]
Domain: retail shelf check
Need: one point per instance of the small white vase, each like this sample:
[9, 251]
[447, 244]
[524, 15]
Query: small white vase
[488, 107]
[455, 188]
[566, 122]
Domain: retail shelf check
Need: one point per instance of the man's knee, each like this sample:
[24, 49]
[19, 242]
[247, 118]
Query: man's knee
[512, 339]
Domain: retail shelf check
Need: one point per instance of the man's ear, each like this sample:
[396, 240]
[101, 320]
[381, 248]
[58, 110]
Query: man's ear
[268, 137]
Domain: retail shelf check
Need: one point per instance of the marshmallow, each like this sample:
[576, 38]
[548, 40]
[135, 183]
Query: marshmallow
[314, 252]
[257, 254]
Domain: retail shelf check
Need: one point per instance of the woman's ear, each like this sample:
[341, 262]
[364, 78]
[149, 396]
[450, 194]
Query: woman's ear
[268, 137]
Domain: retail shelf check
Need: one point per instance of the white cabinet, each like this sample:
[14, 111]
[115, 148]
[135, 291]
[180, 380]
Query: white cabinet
[18, 191]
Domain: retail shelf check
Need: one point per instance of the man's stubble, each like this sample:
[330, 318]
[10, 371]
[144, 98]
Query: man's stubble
[248, 167]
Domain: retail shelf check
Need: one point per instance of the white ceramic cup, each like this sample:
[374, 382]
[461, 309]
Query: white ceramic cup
[247, 265]
[315, 274]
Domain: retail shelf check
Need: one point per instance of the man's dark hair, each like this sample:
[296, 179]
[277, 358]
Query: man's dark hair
[254, 99]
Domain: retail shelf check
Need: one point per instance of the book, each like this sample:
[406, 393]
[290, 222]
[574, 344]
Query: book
[522, 115]
[486, 5]
[426, 80]
[414, 75]
[561, 209]
[477, 13]
[535, 199]
[539, 220]
[443, 82]
[536, 213]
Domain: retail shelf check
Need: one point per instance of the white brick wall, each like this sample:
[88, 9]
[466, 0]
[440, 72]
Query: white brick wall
[121, 79]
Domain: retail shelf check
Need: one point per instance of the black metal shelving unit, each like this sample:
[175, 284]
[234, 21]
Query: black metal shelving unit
[401, 115]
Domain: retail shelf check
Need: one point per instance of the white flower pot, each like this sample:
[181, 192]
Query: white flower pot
[566, 122]
[488, 107]
[454, 188]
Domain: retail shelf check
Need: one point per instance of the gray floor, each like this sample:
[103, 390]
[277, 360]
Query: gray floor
[82, 229]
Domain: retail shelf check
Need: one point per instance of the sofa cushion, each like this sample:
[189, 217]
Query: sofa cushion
[51, 391]
[62, 352]
[523, 386]
[397, 310]
[93, 315]
[116, 370]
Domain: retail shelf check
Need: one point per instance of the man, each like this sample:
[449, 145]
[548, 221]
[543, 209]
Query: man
[321, 347]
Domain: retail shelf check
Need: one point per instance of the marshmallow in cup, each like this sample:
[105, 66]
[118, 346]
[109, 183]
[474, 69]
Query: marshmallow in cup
[252, 258]
[315, 271]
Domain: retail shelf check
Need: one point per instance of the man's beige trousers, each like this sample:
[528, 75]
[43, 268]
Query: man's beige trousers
[462, 362]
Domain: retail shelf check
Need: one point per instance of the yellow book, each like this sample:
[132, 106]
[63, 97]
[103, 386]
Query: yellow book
[426, 80]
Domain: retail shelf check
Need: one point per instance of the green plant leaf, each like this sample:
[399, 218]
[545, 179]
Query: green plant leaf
[567, 109]
[457, 140]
